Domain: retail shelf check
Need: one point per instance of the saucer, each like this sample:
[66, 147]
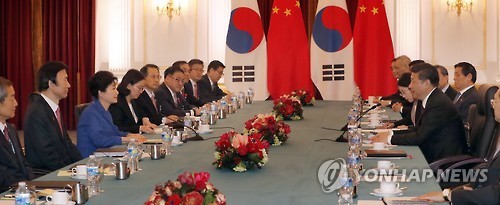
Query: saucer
[378, 192]
[74, 176]
[175, 144]
[69, 203]
[204, 132]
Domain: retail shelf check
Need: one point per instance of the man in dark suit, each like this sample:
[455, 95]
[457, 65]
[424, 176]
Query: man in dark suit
[168, 96]
[208, 86]
[48, 146]
[465, 77]
[483, 193]
[399, 66]
[443, 82]
[13, 165]
[147, 100]
[439, 132]
[191, 87]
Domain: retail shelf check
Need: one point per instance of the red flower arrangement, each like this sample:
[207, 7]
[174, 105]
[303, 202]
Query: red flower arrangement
[189, 189]
[240, 152]
[288, 108]
[273, 131]
[306, 98]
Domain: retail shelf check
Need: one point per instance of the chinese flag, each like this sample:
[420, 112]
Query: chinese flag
[288, 60]
[373, 51]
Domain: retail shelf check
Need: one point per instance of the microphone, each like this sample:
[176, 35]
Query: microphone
[344, 128]
[341, 138]
[197, 137]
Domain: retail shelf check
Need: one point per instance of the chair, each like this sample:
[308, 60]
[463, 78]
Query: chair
[481, 133]
[79, 109]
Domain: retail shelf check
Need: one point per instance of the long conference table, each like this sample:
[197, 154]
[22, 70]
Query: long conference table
[290, 176]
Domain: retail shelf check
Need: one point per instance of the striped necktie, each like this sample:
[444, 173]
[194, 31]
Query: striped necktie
[7, 137]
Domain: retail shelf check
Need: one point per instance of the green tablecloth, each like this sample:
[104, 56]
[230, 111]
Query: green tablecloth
[290, 176]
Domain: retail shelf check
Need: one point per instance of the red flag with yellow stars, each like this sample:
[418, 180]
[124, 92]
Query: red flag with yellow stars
[373, 50]
[288, 60]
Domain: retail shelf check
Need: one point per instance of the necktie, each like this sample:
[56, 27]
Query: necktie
[7, 137]
[153, 99]
[457, 97]
[195, 90]
[414, 112]
[58, 116]
[213, 87]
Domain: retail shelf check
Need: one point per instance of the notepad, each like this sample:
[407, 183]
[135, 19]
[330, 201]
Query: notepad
[111, 152]
[385, 153]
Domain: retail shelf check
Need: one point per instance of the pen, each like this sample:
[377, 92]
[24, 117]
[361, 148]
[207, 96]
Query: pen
[9, 197]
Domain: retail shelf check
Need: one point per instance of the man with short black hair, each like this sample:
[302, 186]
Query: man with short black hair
[465, 77]
[439, 132]
[191, 88]
[13, 165]
[168, 95]
[443, 82]
[147, 100]
[48, 146]
[208, 86]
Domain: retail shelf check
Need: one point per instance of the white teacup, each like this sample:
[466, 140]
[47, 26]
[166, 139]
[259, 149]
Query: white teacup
[374, 122]
[176, 139]
[378, 146]
[388, 187]
[385, 165]
[371, 99]
[58, 198]
[80, 170]
[204, 128]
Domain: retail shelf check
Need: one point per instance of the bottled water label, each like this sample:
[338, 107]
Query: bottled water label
[133, 152]
[92, 171]
[353, 160]
[23, 199]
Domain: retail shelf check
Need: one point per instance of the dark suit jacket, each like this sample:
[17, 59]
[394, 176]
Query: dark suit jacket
[451, 93]
[167, 105]
[406, 109]
[394, 98]
[407, 119]
[46, 147]
[148, 109]
[468, 98]
[206, 93]
[122, 116]
[484, 193]
[439, 132]
[189, 94]
[13, 166]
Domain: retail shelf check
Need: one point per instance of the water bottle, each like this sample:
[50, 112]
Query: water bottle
[93, 176]
[345, 193]
[241, 99]
[166, 137]
[23, 195]
[188, 123]
[204, 116]
[133, 153]
[250, 94]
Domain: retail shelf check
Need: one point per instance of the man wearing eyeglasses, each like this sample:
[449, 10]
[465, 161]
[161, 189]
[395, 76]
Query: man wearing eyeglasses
[208, 86]
[168, 94]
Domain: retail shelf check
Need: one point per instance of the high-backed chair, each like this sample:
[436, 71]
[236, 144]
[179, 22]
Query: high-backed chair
[79, 109]
[481, 133]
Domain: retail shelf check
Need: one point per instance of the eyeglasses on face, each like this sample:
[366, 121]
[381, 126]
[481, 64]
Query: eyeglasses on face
[178, 80]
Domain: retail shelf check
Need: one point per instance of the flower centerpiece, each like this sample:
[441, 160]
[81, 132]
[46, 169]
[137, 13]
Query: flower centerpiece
[240, 152]
[306, 98]
[192, 189]
[287, 108]
[273, 131]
